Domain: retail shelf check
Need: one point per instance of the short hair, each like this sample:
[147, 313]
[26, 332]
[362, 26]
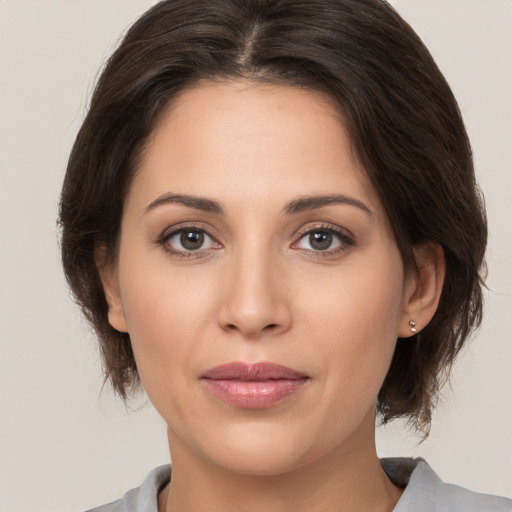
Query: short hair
[402, 118]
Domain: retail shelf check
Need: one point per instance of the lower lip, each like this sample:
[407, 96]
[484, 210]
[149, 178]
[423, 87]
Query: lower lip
[254, 394]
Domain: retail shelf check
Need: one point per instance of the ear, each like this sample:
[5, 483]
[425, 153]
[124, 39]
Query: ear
[422, 289]
[108, 272]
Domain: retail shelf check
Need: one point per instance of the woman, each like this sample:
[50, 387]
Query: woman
[271, 219]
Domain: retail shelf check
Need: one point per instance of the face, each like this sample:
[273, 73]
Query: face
[258, 279]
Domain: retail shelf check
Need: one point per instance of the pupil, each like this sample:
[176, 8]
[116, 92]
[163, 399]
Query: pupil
[320, 240]
[192, 240]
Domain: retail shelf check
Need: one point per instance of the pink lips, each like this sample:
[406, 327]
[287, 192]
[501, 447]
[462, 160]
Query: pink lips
[253, 386]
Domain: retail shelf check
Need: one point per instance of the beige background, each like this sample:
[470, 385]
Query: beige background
[65, 446]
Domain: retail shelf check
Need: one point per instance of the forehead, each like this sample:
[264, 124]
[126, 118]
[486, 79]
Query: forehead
[239, 138]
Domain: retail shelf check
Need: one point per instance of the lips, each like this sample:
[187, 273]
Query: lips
[253, 386]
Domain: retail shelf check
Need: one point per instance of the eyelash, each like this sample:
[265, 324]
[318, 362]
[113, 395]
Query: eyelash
[344, 239]
[164, 239]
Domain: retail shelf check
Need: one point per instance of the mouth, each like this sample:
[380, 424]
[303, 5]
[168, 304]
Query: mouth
[253, 386]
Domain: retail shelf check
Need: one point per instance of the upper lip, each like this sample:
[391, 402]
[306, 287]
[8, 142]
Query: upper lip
[238, 370]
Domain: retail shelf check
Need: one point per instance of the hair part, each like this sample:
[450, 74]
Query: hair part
[403, 120]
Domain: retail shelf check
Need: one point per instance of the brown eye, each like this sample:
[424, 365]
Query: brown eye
[320, 240]
[189, 240]
[323, 240]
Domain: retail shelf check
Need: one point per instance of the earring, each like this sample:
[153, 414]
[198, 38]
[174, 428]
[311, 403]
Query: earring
[412, 323]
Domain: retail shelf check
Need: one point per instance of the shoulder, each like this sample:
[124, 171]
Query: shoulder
[143, 498]
[426, 492]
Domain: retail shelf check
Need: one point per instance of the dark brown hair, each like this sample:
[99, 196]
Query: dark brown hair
[401, 115]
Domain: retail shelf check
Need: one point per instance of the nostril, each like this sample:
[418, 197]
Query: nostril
[267, 328]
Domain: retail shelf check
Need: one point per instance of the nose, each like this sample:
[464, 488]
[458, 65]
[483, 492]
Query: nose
[255, 298]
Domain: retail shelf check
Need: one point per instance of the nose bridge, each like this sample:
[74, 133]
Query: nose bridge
[254, 301]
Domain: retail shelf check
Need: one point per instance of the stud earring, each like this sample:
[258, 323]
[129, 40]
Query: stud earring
[412, 323]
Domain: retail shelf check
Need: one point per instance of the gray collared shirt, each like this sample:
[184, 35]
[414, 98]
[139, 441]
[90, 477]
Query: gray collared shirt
[424, 492]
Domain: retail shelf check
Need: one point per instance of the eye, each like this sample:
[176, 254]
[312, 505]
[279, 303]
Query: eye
[319, 241]
[325, 240]
[186, 240]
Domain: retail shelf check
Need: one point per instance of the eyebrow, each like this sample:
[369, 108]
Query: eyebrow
[198, 203]
[314, 202]
[298, 205]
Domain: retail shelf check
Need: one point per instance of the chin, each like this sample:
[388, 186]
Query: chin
[260, 451]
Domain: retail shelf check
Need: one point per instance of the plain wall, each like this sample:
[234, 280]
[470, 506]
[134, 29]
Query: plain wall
[64, 444]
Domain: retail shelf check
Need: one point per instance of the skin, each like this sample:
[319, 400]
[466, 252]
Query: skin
[259, 290]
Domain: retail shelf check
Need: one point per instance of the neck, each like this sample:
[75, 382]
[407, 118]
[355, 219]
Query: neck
[349, 479]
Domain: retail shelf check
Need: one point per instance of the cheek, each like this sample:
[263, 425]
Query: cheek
[361, 298]
[167, 315]
[354, 317]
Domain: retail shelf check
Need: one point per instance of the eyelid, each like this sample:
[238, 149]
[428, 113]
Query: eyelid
[171, 231]
[345, 237]
[198, 225]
